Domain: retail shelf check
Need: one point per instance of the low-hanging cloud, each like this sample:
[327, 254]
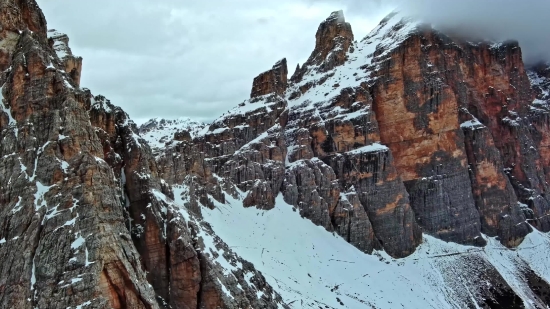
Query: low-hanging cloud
[498, 20]
[525, 21]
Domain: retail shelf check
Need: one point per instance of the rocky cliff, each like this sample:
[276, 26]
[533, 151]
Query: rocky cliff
[406, 132]
[431, 133]
[408, 160]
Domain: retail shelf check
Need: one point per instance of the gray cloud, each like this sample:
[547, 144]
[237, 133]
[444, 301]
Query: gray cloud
[499, 20]
[198, 58]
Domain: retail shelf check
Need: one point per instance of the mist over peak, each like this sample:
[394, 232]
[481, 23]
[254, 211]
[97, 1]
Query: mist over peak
[524, 21]
[494, 20]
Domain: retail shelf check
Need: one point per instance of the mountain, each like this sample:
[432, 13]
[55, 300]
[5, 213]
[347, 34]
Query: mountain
[405, 170]
[159, 132]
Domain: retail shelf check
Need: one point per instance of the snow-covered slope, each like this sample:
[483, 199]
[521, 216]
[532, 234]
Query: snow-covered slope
[157, 132]
[312, 268]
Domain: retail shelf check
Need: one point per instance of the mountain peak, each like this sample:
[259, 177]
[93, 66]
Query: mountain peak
[337, 16]
[333, 35]
[333, 40]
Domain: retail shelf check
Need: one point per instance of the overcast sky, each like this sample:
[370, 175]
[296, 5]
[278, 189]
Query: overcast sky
[170, 58]
[175, 58]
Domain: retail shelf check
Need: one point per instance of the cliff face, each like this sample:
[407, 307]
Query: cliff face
[459, 123]
[442, 109]
[64, 239]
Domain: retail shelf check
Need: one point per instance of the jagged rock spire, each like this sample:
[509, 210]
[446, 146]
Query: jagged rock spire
[333, 40]
[272, 81]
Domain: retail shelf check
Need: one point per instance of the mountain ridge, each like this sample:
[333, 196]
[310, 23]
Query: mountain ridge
[332, 146]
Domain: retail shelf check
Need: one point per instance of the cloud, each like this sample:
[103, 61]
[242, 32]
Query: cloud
[500, 20]
[198, 58]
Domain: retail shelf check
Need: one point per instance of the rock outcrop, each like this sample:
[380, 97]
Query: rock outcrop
[333, 43]
[456, 109]
[272, 81]
[73, 65]
[62, 221]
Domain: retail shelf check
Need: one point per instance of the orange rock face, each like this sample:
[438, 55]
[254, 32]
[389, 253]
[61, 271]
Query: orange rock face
[272, 81]
[442, 109]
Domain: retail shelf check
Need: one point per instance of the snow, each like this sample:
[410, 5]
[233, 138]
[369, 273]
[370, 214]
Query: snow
[224, 289]
[181, 197]
[17, 206]
[375, 147]
[33, 273]
[81, 306]
[257, 140]
[67, 84]
[72, 281]
[71, 222]
[38, 153]
[308, 263]
[534, 251]
[511, 122]
[247, 107]
[64, 165]
[12, 123]
[157, 132]
[473, 124]
[319, 100]
[352, 115]
[39, 200]
[99, 160]
[78, 242]
[61, 49]
[160, 196]
[289, 151]
[2, 241]
[541, 83]
[509, 265]
[304, 262]
[87, 261]
[352, 73]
